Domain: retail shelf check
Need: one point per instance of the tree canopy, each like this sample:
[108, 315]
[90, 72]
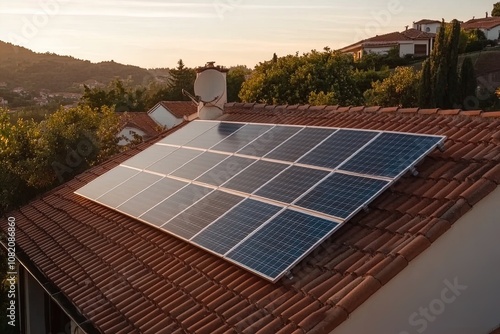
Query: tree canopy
[400, 88]
[496, 9]
[37, 156]
[292, 79]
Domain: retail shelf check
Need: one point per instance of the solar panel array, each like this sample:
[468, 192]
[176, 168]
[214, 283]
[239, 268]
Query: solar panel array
[261, 196]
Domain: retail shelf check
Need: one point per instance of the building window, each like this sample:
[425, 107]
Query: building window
[427, 29]
[420, 50]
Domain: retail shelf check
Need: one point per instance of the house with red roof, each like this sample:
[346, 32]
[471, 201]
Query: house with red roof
[489, 25]
[171, 113]
[410, 42]
[421, 258]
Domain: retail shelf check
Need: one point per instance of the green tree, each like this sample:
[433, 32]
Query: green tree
[121, 96]
[235, 79]
[321, 98]
[496, 9]
[468, 84]
[182, 78]
[399, 89]
[292, 78]
[425, 94]
[443, 68]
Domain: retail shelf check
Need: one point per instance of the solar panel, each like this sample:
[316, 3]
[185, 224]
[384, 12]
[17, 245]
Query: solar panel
[235, 225]
[391, 154]
[340, 146]
[126, 190]
[175, 204]
[291, 183]
[275, 247]
[269, 140]
[225, 170]
[151, 196]
[148, 157]
[341, 195]
[241, 138]
[103, 183]
[254, 176]
[202, 213]
[300, 144]
[187, 133]
[199, 165]
[173, 161]
[260, 196]
[214, 135]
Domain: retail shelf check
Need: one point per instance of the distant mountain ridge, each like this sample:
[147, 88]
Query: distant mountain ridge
[21, 67]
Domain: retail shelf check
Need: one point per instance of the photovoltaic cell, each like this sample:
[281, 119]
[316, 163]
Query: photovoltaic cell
[202, 213]
[175, 204]
[234, 226]
[173, 161]
[291, 183]
[390, 154]
[269, 140]
[337, 148]
[199, 165]
[126, 190]
[225, 170]
[254, 176]
[341, 195]
[188, 132]
[300, 144]
[241, 138]
[214, 135]
[281, 242]
[148, 157]
[105, 182]
[145, 200]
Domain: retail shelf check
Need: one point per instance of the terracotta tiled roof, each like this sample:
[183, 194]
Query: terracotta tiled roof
[125, 276]
[427, 21]
[142, 121]
[180, 108]
[392, 38]
[484, 23]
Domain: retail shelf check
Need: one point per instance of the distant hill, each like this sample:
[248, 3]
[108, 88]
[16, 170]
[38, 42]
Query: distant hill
[21, 67]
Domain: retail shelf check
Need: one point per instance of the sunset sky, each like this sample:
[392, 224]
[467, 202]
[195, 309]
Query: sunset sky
[156, 33]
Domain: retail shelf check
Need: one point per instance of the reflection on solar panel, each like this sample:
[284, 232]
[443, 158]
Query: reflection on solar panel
[260, 196]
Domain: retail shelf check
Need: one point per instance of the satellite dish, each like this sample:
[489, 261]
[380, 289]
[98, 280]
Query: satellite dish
[209, 86]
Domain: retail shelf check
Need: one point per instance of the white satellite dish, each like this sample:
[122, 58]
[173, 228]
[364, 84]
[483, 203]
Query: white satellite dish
[210, 86]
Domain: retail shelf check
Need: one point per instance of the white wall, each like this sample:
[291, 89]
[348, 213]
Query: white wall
[468, 256]
[163, 117]
[492, 33]
[381, 50]
[406, 49]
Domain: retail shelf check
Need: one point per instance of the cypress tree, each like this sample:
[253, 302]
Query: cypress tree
[452, 71]
[440, 88]
[425, 90]
[467, 83]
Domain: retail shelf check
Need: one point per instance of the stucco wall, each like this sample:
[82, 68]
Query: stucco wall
[451, 288]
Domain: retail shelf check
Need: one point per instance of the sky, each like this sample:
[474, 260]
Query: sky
[157, 33]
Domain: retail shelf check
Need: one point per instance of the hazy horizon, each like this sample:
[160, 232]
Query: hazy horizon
[156, 34]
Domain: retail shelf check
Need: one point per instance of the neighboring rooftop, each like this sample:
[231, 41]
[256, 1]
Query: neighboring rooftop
[125, 276]
[141, 121]
[427, 21]
[180, 108]
[393, 38]
[483, 23]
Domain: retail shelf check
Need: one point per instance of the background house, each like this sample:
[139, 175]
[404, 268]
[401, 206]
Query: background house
[137, 124]
[489, 25]
[171, 113]
[426, 25]
[410, 42]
